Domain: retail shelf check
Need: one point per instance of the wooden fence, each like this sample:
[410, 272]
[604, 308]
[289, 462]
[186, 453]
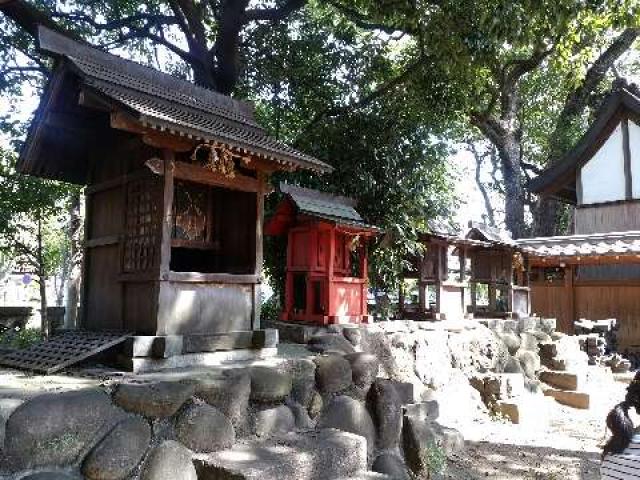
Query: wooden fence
[592, 300]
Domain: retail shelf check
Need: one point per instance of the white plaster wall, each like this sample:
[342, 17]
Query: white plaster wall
[603, 175]
[634, 144]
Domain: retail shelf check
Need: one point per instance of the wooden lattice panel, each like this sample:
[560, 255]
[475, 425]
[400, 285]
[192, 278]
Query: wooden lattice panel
[61, 351]
[143, 225]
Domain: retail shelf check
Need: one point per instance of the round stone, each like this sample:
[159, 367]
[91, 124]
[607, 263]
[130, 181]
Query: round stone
[155, 400]
[333, 373]
[203, 428]
[169, 461]
[364, 368]
[391, 465]
[119, 452]
[270, 385]
[346, 414]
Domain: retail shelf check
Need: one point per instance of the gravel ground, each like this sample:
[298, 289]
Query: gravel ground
[553, 441]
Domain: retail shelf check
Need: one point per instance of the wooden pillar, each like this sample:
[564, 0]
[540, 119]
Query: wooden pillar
[364, 273]
[510, 292]
[570, 294]
[288, 286]
[257, 298]
[331, 307]
[167, 213]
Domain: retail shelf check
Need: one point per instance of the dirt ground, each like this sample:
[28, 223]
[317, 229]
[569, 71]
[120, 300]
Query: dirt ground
[553, 441]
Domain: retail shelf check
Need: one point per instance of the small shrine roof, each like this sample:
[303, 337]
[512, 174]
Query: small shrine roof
[326, 206]
[166, 103]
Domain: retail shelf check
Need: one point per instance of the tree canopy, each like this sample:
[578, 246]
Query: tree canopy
[383, 90]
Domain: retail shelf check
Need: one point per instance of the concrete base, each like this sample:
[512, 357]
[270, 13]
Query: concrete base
[208, 359]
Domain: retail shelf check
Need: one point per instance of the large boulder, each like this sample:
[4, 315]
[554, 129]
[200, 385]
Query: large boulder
[203, 428]
[169, 461]
[229, 394]
[271, 421]
[513, 366]
[119, 452]
[512, 342]
[346, 414]
[392, 465]
[529, 361]
[387, 409]
[333, 373]
[364, 368]
[154, 400]
[270, 385]
[56, 428]
[301, 416]
[303, 373]
[422, 436]
[334, 343]
[313, 455]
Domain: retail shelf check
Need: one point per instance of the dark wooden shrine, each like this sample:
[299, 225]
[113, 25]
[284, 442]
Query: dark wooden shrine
[326, 279]
[175, 175]
[480, 274]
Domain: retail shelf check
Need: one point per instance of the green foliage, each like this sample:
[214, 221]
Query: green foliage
[271, 308]
[22, 338]
[433, 458]
[30, 218]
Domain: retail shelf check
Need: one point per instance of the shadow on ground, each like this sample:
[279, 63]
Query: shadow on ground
[510, 462]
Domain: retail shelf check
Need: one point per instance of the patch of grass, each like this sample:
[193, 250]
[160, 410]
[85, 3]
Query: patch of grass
[434, 459]
[21, 338]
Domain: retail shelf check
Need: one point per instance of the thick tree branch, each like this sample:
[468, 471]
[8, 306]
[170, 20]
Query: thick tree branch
[577, 100]
[274, 14]
[363, 21]
[29, 17]
[132, 21]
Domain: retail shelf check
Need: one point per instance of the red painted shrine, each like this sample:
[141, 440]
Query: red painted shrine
[326, 279]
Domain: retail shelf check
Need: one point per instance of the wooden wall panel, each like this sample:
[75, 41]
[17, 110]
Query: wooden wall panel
[612, 301]
[616, 217]
[107, 217]
[140, 307]
[552, 301]
[103, 290]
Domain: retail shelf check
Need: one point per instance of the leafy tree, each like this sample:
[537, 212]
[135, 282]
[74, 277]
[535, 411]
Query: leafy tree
[489, 49]
[205, 35]
[29, 232]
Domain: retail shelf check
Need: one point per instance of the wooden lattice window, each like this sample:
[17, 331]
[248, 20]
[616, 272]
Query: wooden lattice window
[144, 225]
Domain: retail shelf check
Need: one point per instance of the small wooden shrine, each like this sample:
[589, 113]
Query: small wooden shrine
[481, 274]
[176, 177]
[326, 277]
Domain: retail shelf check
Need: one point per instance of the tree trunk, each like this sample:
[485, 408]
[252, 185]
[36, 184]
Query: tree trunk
[42, 282]
[546, 217]
[75, 261]
[513, 188]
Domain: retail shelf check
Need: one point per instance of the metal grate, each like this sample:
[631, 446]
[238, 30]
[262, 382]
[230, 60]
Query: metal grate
[61, 350]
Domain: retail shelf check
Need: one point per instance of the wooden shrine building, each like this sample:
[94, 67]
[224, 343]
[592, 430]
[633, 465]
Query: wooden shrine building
[176, 177]
[595, 273]
[326, 276]
[481, 274]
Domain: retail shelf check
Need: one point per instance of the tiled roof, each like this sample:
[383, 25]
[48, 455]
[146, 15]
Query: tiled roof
[326, 206]
[600, 244]
[167, 103]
